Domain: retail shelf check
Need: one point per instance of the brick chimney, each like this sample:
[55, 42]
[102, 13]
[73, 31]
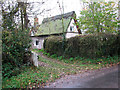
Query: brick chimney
[36, 24]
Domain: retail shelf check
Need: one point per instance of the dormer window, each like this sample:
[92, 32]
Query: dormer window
[71, 28]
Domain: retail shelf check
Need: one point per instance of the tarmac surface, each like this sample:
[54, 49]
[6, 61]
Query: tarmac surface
[102, 78]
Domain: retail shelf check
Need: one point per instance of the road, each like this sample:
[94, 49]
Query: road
[103, 78]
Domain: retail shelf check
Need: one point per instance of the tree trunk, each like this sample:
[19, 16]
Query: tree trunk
[26, 21]
[22, 19]
[119, 16]
[22, 5]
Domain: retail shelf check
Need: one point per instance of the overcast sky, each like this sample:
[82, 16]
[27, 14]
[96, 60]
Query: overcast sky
[69, 5]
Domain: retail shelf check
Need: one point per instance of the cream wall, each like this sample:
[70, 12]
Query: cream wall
[69, 35]
[72, 24]
[40, 42]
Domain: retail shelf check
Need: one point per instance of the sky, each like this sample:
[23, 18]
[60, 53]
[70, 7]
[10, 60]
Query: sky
[69, 5]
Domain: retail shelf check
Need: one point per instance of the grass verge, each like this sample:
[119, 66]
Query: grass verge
[33, 77]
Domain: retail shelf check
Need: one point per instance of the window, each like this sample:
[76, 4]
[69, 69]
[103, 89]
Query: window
[71, 28]
[37, 42]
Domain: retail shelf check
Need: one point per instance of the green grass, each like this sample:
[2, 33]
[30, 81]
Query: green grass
[37, 50]
[33, 77]
[102, 60]
[82, 61]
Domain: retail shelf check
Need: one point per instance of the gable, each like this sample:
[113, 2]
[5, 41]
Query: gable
[74, 28]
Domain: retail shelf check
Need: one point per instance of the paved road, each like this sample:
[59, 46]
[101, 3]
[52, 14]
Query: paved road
[104, 78]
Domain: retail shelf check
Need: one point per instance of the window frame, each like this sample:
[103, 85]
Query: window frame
[71, 28]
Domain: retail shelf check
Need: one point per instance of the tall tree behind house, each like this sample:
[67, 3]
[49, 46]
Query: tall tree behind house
[36, 23]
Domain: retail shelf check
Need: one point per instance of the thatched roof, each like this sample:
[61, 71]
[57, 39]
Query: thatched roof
[66, 15]
[53, 25]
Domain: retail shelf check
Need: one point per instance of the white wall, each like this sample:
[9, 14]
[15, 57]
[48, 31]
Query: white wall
[40, 42]
[72, 33]
[69, 35]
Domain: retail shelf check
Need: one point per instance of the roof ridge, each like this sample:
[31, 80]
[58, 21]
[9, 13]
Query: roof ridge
[66, 15]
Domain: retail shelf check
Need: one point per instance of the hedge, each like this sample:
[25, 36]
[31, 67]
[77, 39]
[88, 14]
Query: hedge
[92, 45]
[54, 45]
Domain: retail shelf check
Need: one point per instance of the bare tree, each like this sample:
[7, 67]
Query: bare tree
[62, 13]
[23, 11]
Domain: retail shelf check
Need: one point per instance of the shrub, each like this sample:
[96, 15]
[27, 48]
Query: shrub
[76, 58]
[44, 53]
[71, 59]
[16, 44]
[60, 58]
[48, 54]
[53, 56]
[41, 50]
[91, 46]
[54, 45]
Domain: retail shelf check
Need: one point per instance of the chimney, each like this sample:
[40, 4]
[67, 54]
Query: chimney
[36, 23]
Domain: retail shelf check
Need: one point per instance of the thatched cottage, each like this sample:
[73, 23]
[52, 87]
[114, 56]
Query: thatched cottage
[53, 26]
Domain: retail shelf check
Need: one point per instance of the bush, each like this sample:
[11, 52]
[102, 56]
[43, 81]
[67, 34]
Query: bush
[60, 58]
[53, 56]
[16, 44]
[54, 45]
[76, 58]
[71, 59]
[91, 46]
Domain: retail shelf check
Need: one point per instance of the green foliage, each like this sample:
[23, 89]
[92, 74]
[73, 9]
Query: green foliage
[32, 77]
[41, 50]
[92, 46]
[48, 54]
[15, 46]
[103, 60]
[60, 57]
[7, 70]
[53, 56]
[38, 50]
[54, 45]
[15, 38]
[96, 61]
[66, 61]
[99, 17]
[29, 77]
[44, 53]
[71, 59]
[76, 58]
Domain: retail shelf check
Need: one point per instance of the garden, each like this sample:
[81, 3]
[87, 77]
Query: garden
[98, 48]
